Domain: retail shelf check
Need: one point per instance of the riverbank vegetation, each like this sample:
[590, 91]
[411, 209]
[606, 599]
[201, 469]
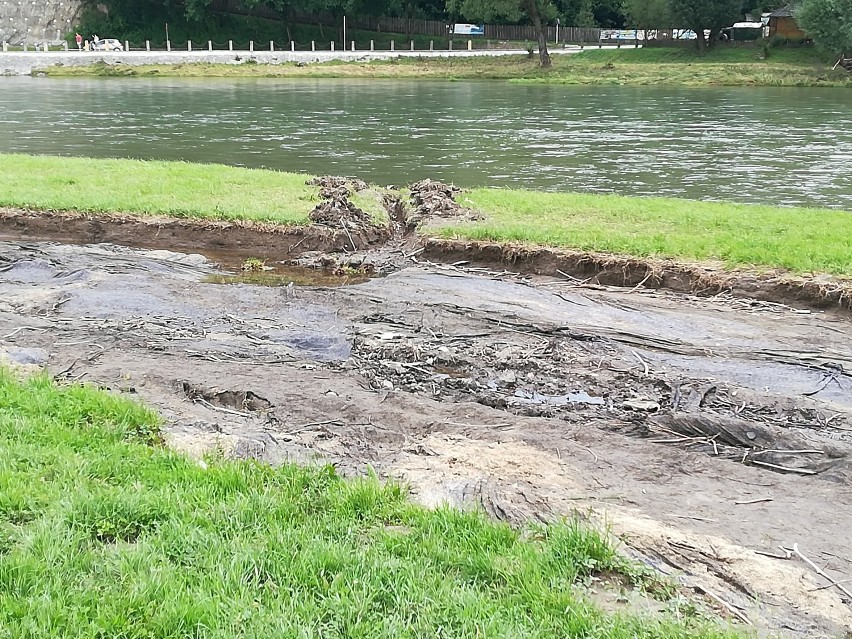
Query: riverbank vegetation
[105, 532]
[746, 66]
[800, 240]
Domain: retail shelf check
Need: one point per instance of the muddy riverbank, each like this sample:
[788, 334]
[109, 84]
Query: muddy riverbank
[386, 248]
[706, 432]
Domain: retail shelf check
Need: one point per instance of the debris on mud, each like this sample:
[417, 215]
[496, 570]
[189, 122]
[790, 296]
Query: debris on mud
[436, 199]
[529, 398]
[336, 210]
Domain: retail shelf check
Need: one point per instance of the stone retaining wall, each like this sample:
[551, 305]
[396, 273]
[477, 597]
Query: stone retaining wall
[37, 21]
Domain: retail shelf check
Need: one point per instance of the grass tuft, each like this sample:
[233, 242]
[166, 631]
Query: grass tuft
[124, 539]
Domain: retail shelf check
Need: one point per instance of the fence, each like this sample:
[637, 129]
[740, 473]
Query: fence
[272, 46]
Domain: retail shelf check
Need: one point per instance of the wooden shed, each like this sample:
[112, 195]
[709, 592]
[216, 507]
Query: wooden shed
[783, 23]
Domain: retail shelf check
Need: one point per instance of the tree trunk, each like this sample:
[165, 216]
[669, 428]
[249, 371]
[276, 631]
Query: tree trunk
[700, 39]
[532, 10]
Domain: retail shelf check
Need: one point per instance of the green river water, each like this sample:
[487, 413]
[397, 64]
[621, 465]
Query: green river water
[764, 145]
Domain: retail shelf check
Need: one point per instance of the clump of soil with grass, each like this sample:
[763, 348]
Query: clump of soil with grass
[431, 198]
[336, 209]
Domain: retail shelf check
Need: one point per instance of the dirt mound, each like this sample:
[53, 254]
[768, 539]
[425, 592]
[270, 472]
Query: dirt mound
[337, 182]
[436, 199]
[336, 210]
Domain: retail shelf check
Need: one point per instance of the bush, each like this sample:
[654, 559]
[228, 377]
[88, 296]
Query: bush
[777, 41]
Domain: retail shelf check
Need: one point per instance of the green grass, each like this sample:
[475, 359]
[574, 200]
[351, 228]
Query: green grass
[798, 239]
[763, 237]
[727, 66]
[178, 189]
[104, 533]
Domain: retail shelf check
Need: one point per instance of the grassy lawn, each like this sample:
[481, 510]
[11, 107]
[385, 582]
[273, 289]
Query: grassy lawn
[798, 239]
[105, 533]
[728, 66]
[763, 237]
[178, 189]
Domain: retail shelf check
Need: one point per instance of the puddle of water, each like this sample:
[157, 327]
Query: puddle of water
[285, 275]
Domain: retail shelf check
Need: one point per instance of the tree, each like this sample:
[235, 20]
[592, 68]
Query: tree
[703, 15]
[829, 23]
[512, 11]
[591, 13]
[647, 14]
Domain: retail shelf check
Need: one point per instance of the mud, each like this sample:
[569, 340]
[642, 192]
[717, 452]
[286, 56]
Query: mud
[700, 431]
[532, 398]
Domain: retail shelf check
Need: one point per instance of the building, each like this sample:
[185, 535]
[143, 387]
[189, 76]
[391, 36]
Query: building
[782, 23]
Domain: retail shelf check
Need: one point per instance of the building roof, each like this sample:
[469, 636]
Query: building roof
[783, 12]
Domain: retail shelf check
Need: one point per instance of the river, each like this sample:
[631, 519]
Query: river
[760, 145]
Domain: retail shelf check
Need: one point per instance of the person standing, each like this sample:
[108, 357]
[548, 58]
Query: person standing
[79, 40]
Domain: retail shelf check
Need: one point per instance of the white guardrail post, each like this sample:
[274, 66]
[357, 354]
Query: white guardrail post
[189, 45]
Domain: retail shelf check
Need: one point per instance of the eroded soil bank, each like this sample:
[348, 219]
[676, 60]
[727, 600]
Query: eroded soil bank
[386, 248]
[707, 433]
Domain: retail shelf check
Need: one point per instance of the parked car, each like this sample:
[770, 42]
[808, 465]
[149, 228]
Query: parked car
[107, 44]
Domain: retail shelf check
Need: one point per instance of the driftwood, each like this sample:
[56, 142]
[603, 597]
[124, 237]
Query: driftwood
[764, 445]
